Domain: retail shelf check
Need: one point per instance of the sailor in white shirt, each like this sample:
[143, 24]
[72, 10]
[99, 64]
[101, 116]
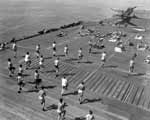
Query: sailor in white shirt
[90, 116]
[41, 61]
[64, 85]
[42, 95]
[61, 109]
[56, 64]
[131, 65]
[14, 48]
[66, 50]
[54, 48]
[20, 70]
[37, 50]
[27, 60]
[103, 58]
[81, 89]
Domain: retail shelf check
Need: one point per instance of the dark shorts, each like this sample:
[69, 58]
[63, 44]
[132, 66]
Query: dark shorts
[38, 81]
[11, 68]
[56, 66]
[54, 48]
[103, 60]
[21, 83]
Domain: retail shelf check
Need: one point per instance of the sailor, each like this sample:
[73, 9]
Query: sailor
[14, 48]
[42, 95]
[11, 68]
[81, 89]
[64, 85]
[20, 70]
[27, 60]
[37, 50]
[90, 116]
[41, 61]
[20, 82]
[131, 65]
[66, 50]
[61, 109]
[56, 64]
[80, 55]
[103, 58]
[54, 48]
[37, 79]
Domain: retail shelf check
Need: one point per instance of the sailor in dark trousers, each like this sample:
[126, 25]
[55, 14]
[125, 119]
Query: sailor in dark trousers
[54, 48]
[20, 82]
[37, 52]
[37, 79]
[20, 70]
[41, 62]
[11, 68]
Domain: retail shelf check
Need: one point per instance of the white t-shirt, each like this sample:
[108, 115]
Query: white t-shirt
[20, 70]
[131, 63]
[89, 117]
[56, 62]
[36, 75]
[65, 49]
[64, 81]
[53, 45]
[14, 46]
[42, 93]
[27, 57]
[79, 52]
[103, 56]
[41, 60]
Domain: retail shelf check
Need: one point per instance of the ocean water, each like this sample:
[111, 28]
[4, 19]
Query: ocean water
[23, 17]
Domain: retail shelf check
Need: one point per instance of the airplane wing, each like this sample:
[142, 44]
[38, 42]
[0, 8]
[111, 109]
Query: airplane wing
[117, 10]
